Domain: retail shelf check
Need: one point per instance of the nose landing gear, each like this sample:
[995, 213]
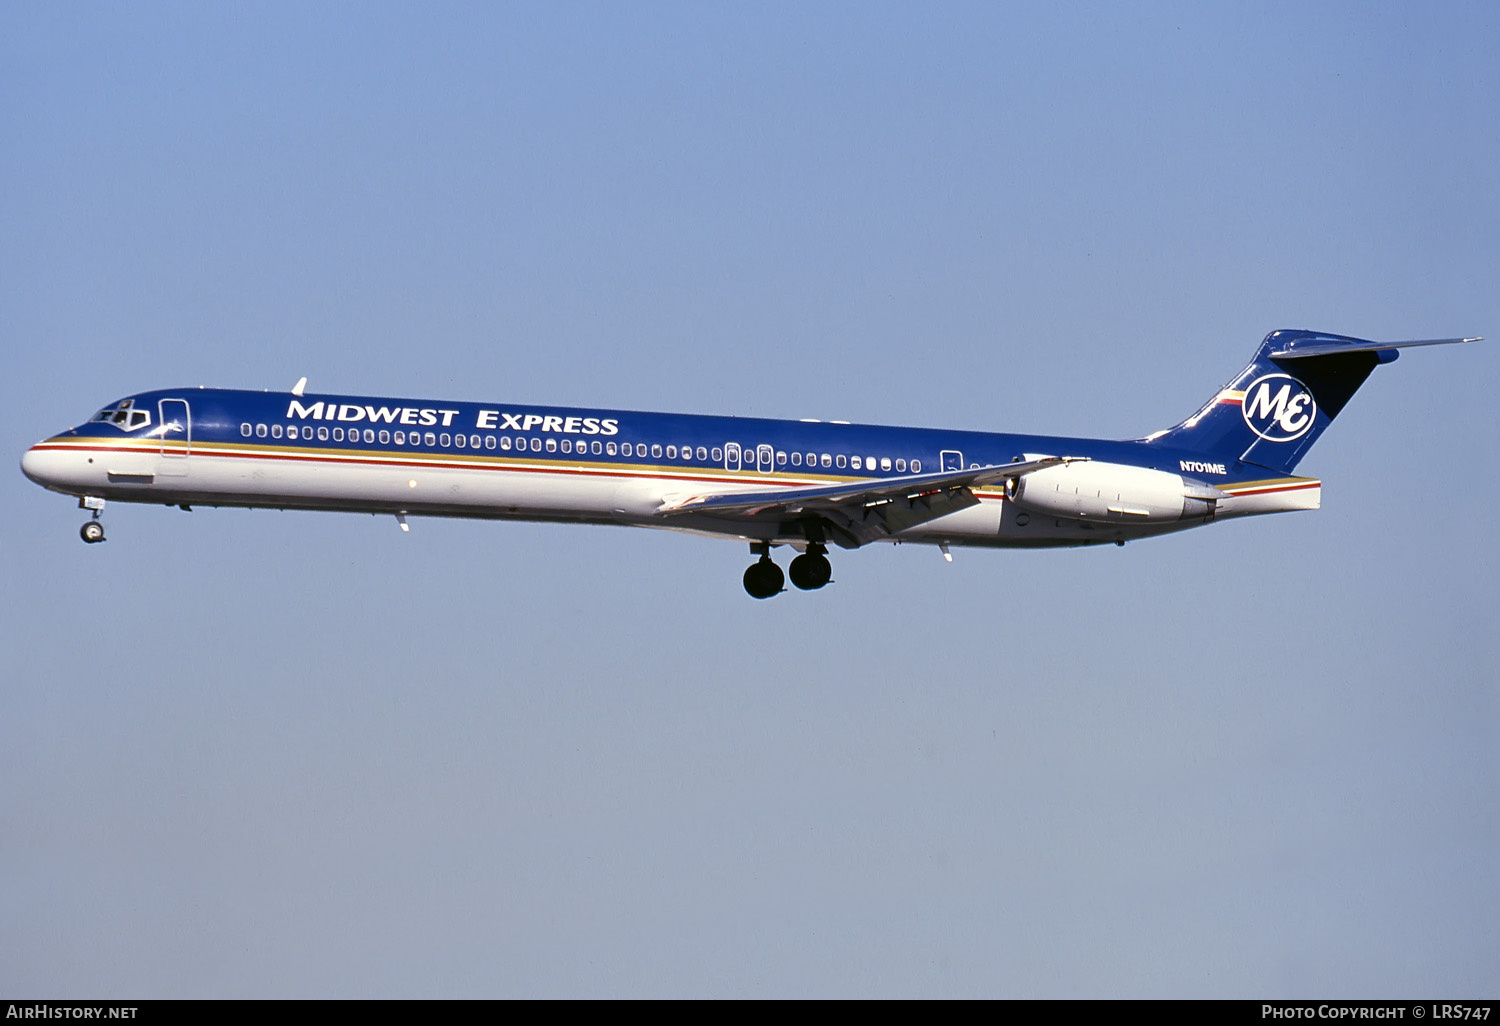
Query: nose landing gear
[92, 531]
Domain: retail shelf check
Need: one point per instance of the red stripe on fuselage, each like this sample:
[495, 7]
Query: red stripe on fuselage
[439, 464]
[1269, 489]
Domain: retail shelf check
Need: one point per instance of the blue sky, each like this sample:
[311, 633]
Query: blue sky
[293, 754]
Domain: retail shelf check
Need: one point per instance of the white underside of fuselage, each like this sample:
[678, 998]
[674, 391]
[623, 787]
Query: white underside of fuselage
[489, 488]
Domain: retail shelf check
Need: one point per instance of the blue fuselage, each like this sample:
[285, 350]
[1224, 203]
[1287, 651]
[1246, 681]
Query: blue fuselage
[420, 457]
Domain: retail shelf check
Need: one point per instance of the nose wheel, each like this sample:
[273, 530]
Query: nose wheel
[92, 531]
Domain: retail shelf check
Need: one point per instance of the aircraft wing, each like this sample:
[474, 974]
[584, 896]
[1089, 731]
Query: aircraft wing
[860, 512]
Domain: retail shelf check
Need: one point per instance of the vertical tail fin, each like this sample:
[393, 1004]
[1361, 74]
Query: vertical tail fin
[1273, 411]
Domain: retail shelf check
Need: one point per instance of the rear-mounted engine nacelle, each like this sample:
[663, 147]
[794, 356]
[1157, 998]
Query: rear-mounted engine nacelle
[1090, 490]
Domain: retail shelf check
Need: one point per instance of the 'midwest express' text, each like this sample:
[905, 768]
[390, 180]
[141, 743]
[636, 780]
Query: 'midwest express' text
[490, 420]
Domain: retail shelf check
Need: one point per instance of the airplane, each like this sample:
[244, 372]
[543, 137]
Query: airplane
[773, 483]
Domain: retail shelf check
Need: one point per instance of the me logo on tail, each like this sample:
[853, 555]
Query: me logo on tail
[1279, 408]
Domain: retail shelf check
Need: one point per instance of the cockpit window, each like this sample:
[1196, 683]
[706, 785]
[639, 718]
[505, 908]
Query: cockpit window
[124, 416]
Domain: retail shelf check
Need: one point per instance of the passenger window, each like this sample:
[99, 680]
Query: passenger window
[885, 463]
[338, 434]
[609, 448]
[275, 430]
[717, 454]
[551, 445]
[459, 441]
[597, 448]
[796, 459]
[400, 437]
[369, 435]
[385, 436]
[671, 452]
[505, 442]
[322, 434]
[656, 451]
[827, 460]
[536, 445]
[812, 459]
[854, 462]
[489, 441]
[429, 438]
[245, 430]
[901, 466]
[916, 466]
[567, 445]
[781, 459]
[839, 460]
[473, 441]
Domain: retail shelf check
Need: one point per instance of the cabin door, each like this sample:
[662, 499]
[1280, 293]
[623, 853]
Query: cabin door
[176, 428]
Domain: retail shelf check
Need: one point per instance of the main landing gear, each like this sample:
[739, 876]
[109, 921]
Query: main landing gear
[809, 571]
[764, 578]
[92, 531]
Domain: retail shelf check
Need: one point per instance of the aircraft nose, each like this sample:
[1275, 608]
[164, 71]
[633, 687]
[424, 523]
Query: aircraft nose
[31, 464]
[36, 463]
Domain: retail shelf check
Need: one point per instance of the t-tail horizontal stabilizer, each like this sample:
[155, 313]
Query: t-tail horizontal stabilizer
[1273, 411]
[1322, 346]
